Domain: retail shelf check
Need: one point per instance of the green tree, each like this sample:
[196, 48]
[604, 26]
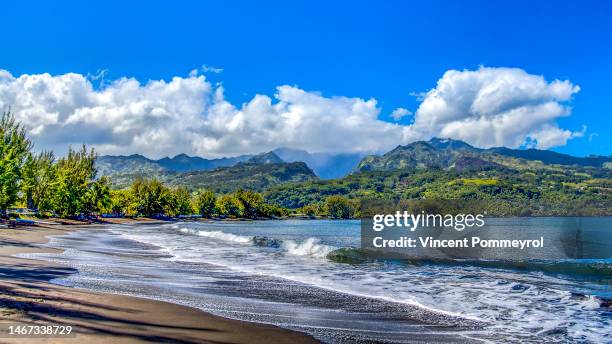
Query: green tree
[252, 203]
[14, 150]
[151, 197]
[98, 197]
[312, 210]
[75, 174]
[204, 202]
[180, 202]
[273, 210]
[339, 207]
[121, 202]
[40, 181]
[229, 205]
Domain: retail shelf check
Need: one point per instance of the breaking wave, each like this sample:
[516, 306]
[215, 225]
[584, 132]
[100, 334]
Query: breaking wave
[311, 247]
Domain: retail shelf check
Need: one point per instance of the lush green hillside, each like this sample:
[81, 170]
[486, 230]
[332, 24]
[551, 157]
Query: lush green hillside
[109, 165]
[251, 176]
[447, 169]
[186, 163]
[550, 157]
[123, 170]
[444, 153]
[509, 192]
[419, 154]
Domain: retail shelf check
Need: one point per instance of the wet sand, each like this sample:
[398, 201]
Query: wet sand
[27, 298]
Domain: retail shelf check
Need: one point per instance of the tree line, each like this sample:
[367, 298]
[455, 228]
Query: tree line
[151, 197]
[69, 186]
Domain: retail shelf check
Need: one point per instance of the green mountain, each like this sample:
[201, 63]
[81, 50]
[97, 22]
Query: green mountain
[415, 155]
[186, 163]
[247, 175]
[510, 181]
[550, 157]
[505, 180]
[265, 158]
[248, 172]
[446, 153]
[109, 164]
[112, 164]
[124, 169]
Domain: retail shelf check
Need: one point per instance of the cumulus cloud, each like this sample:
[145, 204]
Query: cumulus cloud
[496, 107]
[486, 107]
[188, 115]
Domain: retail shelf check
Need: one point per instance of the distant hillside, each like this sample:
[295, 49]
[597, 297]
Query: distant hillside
[109, 164]
[550, 157]
[436, 153]
[180, 163]
[325, 165]
[124, 169]
[446, 153]
[186, 163]
[252, 176]
[507, 182]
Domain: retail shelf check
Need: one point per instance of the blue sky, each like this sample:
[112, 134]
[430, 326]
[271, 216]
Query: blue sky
[363, 49]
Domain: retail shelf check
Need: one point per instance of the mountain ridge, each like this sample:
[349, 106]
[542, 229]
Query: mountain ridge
[444, 153]
[435, 153]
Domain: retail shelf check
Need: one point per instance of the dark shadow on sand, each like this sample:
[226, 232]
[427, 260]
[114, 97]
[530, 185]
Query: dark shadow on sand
[39, 306]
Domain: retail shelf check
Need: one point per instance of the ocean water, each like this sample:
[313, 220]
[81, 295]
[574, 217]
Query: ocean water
[279, 272]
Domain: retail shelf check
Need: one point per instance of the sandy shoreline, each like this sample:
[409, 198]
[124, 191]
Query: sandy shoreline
[26, 297]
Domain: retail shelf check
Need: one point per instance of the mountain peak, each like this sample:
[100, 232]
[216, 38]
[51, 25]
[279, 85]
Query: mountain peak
[446, 143]
[265, 158]
[448, 153]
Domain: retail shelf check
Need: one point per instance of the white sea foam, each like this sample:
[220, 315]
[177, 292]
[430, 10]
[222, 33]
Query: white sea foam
[543, 306]
[218, 235]
[310, 247]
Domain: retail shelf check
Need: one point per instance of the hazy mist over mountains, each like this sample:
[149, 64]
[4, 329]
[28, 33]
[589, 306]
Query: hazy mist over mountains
[325, 165]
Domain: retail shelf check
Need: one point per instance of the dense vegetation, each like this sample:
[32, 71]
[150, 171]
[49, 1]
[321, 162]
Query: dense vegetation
[453, 170]
[150, 197]
[530, 191]
[247, 175]
[66, 186]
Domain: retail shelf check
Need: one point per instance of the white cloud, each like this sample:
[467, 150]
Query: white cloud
[495, 107]
[400, 113]
[486, 107]
[188, 115]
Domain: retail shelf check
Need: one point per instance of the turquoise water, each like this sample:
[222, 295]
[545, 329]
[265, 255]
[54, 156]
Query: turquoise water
[279, 272]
